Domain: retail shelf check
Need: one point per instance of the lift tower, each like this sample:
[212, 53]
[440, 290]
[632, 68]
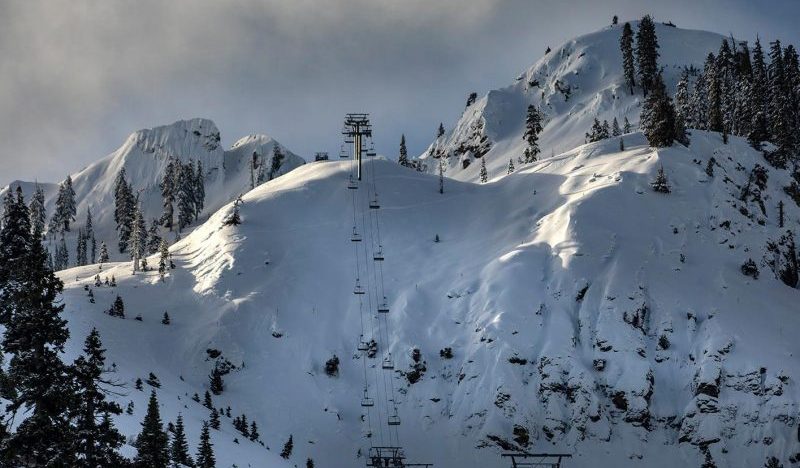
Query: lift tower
[356, 127]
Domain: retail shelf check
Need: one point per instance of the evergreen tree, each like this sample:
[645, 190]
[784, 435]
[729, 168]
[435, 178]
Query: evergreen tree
[185, 186]
[277, 161]
[88, 231]
[38, 386]
[683, 105]
[199, 190]
[660, 184]
[658, 116]
[15, 237]
[97, 440]
[484, 174]
[62, 254]
[403, 158]
[81, 257]
[714, 93]
[205, 452]
[166, 320]
[287, 448]
[441, 175]
[124, 204]
[440, 131]
[779, 109]
[103, 253]
[214, 419]
[234, 219]
[510, 166]
[169, 193]
[207, 400]
[309, 463]
[533, 127]
[254, 435]
[615, 130]
[163, 260]
[117, 308]
[153, 238]
[152, 443]
[215, 381]
[38, 214]
[647, 53]
[681, 135]
[65, 207]
[626, 128]
[781, 215]
[179, 449]
[628, 64]
[138, 238]
[471, 98]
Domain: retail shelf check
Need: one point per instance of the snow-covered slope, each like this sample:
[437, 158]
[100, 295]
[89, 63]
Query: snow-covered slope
[586, 314]
[572, 85]
[145, 155]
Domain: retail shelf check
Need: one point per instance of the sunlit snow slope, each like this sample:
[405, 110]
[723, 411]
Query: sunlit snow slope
[586, 314]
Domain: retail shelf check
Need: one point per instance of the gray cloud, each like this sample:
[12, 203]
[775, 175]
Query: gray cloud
[77, 76]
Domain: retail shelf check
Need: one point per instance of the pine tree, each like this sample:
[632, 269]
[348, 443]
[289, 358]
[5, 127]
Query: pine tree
[533, 127]
[65, 207]
[781, 215]
[440, 131]
[37, 381]
[138, 238]
[254, 435]
[681, 135]
[166, 320]
[179, 449]
[62, 254]
[199, 190]
[97, 439]
[647, 53]
[103, 253]
[471, 98]
[714, 90]
[15, 237]
[628, 65]
[403, 158]
[207, 400]
[215, 381]
[163, 260]
[277, 161]
[604, 130]
[153, 238]
[169, 193]
[205, 452]
[214, 419]
[287, 448]
[484, 174]
[255, 179]
[615, 130]
[779, 109]
[152, 443]
[117, 308]
[658, 116]
[626, 127]
[81, 257]
[38, 215]
[88, 231]
[234, 219]
[510, 166]
[185, 187]
[683, 107]
[309, 463]
[124, 205]
[660, 184]
[441, 175]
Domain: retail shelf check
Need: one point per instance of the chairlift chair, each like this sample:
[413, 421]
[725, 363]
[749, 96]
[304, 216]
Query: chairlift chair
[383, 308]
[358, 290]
[362, 345]
[367, 402]
[394, 419]
[378, 257]
[387, 362]
[356, 237]
[373, 204]
[351, 184]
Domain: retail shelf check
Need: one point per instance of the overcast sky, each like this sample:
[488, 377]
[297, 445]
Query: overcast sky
[76, 77]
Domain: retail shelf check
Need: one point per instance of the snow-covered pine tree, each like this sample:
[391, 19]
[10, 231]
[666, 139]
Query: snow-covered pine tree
[234, 219]
[287, 448]
[169, 193]
[38, 214]
[626, 127]
[152, 442]
[441, 175]
[683, 107]
[185, 192]
[103, 253]
[647, 53]
[124, 204]
[510, 166]
[658, 115]
[215, 381]
[484, 174]
[163, 261]
[660, 184]
[36, 376]
[81, 257]
[714, 94]
[681, 135]
[277, 161]
[65, 211]
[205, 451]
[779, 109]
[97, 439]
[403, 158]
[533, 127]
[615, 130]
[628, 64]
[199, 190]
[440, 131]
[254, 179]
[62, 254]
[214, 419]
[138, 237]
[153, 238]
[604, 130]
[15, 237]
[254, 435]
[179, 448]
[471, 98]
[261, 170]
[91, 242]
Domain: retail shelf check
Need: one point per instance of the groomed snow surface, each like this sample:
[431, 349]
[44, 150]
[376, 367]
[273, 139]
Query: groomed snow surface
[572, 265]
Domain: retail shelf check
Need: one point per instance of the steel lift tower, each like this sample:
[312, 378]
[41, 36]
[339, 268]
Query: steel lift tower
[356, 128]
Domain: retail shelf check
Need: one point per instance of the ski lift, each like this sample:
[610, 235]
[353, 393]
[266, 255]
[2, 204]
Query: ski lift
[387, 362]
[373, 204]
[383, 308]
[394, 420]
[362, 345]
[358, 289]
[356, 236]
[378, 257]
[343, 153]
[371, 152]
[367, 402]
[352, 185]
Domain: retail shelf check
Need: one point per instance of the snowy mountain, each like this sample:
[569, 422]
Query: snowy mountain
[585, 312]
[145, 155]
[572, 85]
